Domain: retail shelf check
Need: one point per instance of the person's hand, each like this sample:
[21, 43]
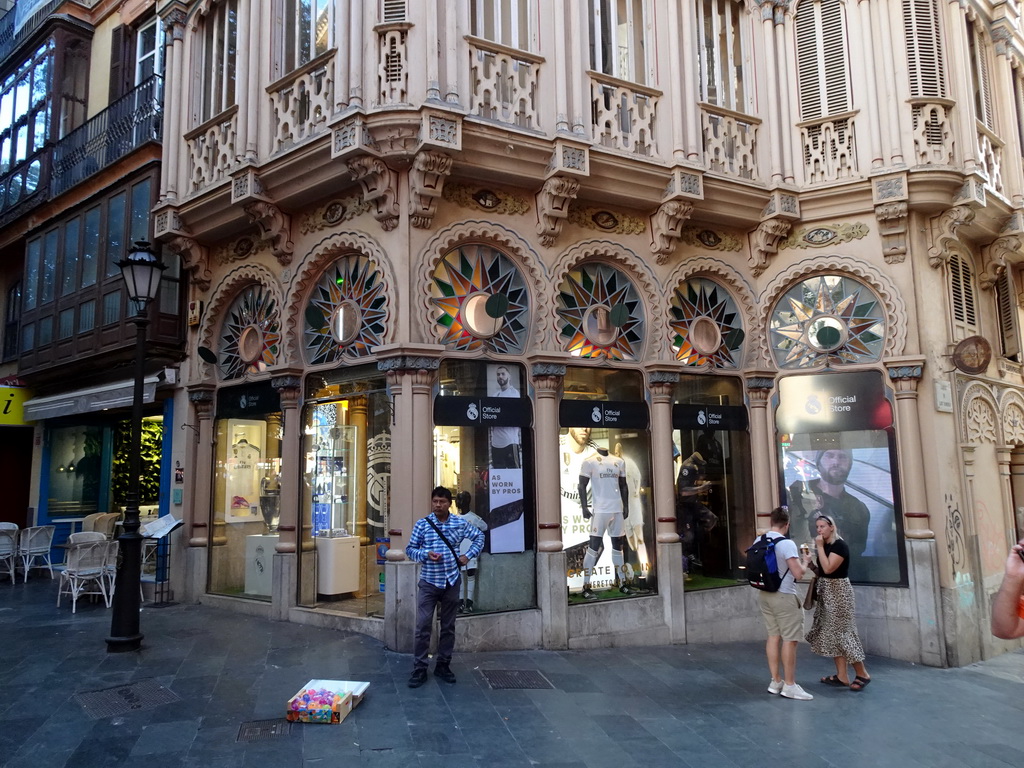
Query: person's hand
[818, 541]
[587, 514]
[463, 559]
[1014, 561]
[434, 556]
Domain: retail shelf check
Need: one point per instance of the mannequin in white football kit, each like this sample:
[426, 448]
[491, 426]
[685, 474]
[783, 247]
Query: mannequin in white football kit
[606, 476]
[635, 514]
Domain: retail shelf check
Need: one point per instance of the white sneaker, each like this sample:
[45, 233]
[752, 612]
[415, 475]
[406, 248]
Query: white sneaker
[794, 691]
[775, 686]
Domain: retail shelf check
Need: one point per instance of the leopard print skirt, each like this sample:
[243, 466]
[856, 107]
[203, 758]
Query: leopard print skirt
[833, 632]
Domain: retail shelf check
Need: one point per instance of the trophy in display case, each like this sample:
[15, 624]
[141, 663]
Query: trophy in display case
[270, 500]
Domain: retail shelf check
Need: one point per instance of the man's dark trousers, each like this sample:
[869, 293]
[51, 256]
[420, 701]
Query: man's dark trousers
[447, 600]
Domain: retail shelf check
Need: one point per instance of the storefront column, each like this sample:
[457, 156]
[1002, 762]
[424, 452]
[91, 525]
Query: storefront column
[411, 372]
[762, 446]
[284, 594]
[196, 513]
[922, 556]
[552, 594]
[671, 577]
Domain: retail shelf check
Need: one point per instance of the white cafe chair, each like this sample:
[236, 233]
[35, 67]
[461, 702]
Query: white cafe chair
[84, 574]
[34, 544]
[8, 551]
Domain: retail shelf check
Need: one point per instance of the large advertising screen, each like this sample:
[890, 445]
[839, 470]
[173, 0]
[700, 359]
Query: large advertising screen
[837, 458]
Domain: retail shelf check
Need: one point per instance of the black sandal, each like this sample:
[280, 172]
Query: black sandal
[859, 683]
[834, 680]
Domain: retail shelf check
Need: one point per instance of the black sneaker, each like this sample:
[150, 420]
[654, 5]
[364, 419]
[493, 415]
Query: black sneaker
[419, 677]
[444, 672]
[626, 589]
[588, 593]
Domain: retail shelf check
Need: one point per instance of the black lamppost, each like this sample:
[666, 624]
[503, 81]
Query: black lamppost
[141, 270]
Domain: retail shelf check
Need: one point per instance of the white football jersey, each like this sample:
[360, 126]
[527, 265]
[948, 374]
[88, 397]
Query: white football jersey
[604, 473]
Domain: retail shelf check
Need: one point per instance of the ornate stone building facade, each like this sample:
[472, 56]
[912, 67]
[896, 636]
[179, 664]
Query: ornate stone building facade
[472, 243]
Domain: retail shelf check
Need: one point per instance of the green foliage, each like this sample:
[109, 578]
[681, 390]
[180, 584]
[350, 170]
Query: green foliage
[152, 443]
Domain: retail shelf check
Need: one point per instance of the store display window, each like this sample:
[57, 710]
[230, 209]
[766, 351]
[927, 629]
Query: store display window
[77, 469]
[247, 491]
[605, 477]
[482, 452]
[346, 493]
[713, 491]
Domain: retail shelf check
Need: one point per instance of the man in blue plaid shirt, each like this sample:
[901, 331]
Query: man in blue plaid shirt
[439, 581]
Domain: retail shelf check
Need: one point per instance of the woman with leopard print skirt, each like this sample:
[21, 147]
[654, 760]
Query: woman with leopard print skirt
[833, 632]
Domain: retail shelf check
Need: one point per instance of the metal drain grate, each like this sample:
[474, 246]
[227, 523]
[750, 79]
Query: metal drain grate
[122, 699]
[263, 730]
[515, 679]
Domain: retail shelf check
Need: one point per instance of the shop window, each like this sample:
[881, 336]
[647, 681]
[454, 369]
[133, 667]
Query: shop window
[481, 300]
[706, 324]
[605, 439]
[75, 475]
[346, 494]
[601, 313]
[247, 492]
[711, 457]
[481, 447]
[251, 335]
[827, 318]
[347, 314]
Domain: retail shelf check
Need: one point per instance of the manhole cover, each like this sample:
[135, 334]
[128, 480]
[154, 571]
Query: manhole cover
[515, 678]
[122, 699]
[262, 730]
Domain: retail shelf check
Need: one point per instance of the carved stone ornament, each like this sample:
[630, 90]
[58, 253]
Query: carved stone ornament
[239, 250]
[427, 176]
[711, 239]
[823, 235]
[553, 207]
[547, 369]
[485, 199]
[1006, 250]
[604, 220]
[906, 372]
[333, 213]
[275, 229]
[892, 228]
[667, 224]
[946, 242]
[663, 377]
[408, 363]
[195, 260]
[380, 188]
[760, 382]
[766, 239]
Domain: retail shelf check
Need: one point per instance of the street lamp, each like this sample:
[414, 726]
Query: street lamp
[141, 270]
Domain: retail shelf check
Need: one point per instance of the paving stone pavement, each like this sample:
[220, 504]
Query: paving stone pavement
[691, 705]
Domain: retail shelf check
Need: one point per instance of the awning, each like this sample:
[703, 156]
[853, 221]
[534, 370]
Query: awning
[117, 395]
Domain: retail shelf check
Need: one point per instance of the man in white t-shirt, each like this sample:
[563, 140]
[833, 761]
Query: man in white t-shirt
[506, 442]
[783, 612]
[606, 477]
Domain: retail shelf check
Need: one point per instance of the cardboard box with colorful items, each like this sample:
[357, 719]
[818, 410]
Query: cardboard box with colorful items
[325, 701]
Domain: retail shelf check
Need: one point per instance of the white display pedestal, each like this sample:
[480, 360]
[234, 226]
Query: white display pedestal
[337, 565]
[259, 563]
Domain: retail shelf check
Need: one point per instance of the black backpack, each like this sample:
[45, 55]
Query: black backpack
[762, 565]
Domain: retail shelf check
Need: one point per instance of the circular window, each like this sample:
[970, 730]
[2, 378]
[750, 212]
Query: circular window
[705, 336]
[346, 321]
[598, 325]
[250, 344]
[482, 316]
[826, 334]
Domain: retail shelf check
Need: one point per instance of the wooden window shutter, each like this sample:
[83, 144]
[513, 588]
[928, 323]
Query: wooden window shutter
[821, 54]
[1009, 328]
[120, 63]
[833, 35]
[961, 282]
[925, 63]
[807, 61]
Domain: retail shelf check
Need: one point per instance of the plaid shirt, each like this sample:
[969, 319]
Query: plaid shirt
[424, 539]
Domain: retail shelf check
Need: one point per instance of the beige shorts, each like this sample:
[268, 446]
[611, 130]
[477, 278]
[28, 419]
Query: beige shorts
[783, 615]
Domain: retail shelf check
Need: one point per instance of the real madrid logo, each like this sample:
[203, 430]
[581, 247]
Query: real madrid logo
[702, 417]
[472, 413]
[595, 415]
[813, 405]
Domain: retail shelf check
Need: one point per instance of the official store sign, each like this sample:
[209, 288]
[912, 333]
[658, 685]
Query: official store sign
[833, 402]
[613, 414]
[728, 418]
[458, 411]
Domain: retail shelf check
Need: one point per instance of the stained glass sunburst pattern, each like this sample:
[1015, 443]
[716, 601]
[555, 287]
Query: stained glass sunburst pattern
[699, 298]
[827, 318]
[251, 337]
[482, 300]
[601, 313]
[353, 285]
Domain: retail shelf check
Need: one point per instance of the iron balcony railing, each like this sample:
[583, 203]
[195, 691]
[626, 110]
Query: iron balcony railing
[127, 124]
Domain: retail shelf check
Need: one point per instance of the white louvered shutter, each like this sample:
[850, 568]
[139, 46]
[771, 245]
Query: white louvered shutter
[1009, 327]
[822, 68]
[392, 11]
[925, 61]
[961, 284]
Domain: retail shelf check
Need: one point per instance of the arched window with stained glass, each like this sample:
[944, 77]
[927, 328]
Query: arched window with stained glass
[601, 313]
[347, 313]
[706, 324]
[827, 318]
[250, 340]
